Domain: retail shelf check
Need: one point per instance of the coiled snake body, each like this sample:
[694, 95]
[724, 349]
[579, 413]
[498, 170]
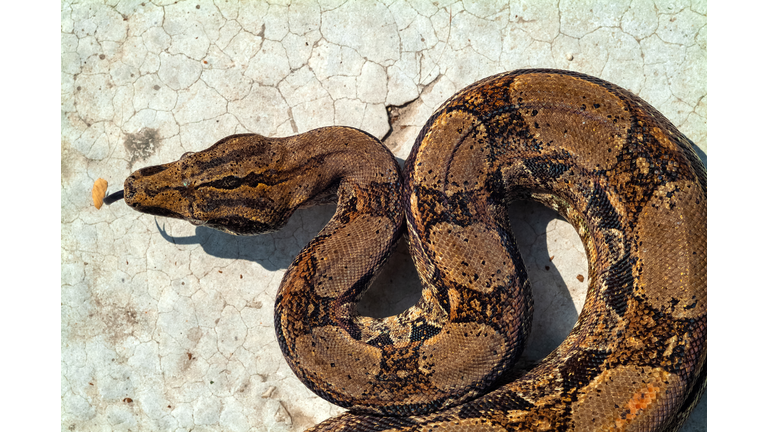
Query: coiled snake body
[607, 161]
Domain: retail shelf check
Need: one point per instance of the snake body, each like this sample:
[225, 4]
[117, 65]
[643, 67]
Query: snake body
[620, 172]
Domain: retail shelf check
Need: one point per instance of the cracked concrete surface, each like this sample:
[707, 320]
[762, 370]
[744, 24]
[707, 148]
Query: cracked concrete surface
[169, 327]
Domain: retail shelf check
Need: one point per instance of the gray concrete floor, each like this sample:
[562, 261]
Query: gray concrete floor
[166, 330]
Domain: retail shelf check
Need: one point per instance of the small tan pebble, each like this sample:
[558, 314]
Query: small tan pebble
[99, 190]
[580, 278]
[268, 392]
[569, 57]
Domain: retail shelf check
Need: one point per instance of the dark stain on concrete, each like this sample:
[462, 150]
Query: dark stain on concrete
[142, 144]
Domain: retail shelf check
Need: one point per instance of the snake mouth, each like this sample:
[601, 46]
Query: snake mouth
[153, 210]
[161, 211]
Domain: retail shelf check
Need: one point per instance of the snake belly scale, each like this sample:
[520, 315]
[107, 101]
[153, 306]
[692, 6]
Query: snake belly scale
[608, 162]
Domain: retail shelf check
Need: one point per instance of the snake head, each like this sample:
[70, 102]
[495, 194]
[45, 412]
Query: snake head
[228, 187]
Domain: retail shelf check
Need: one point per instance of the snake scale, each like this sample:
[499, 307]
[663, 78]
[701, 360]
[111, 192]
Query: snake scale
[608, 162]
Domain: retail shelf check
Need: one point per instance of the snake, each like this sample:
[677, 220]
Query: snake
[609, 163]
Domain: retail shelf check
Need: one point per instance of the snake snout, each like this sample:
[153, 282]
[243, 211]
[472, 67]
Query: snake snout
[158, 190]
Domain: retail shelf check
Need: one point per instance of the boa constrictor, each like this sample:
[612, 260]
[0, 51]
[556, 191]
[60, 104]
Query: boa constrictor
[612, 165]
